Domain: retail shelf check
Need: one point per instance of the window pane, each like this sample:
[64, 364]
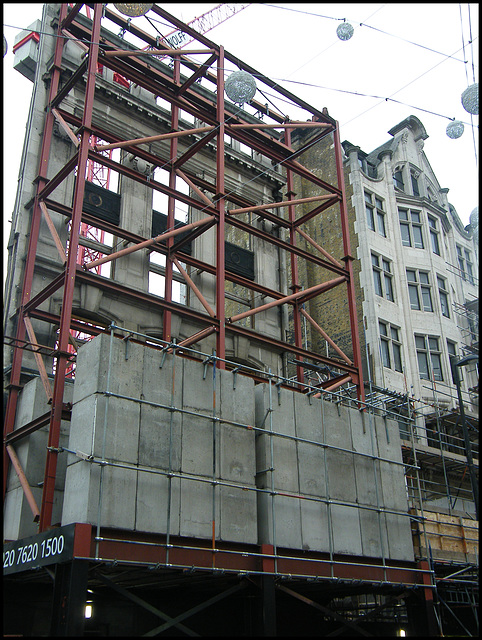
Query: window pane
[389, 288]
[394, 333]
[432, 222]
[397, 357]
[451, 348]
[411, 275]
[381, 224]
[415, 216]
[368, 197]
[378, 282]
[413, 294]
[385, 354]
[420, 342]
[423, 365]
[433, 344]
[383, 329]
[405, 235]
[378, 203]
[435, 244]
[427, 299]
[370, 219]
[444, 304]
[403, 214]
[416, 192]
[375, 260]
[423, 277]
[386, 266]
[417, 237]
[436, 366]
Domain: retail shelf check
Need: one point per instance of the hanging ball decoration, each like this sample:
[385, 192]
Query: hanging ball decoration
[133, 9]
[344, 31]
[240, 87]
[455, 129]
[470, 99]
[4, 46]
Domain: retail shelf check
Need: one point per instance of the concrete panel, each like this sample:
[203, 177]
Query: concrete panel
[157, 503]
[314, 525]
[238, 515]
[96, 358]
[84, 494]
[197, 509]
[106, 428]
[373, 534]
[345, 527]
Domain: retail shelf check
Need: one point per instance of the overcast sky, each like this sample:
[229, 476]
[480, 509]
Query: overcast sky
[403, 59]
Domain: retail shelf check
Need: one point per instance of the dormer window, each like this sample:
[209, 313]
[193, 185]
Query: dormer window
[398, 179]
[414, 176]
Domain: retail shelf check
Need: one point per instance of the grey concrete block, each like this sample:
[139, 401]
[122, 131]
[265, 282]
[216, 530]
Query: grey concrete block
[238, 515]
[157, 503]
[197, 509]
[314, 525]
[116, 495]
[116, 366]
[107, 428]
[345, 527]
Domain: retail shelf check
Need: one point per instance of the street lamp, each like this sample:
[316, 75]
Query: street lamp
[468, 448]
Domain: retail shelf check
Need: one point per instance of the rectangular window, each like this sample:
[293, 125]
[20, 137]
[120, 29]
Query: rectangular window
[390, 346]
[411, 228]
[375, 213]
[369, 211]
[383, 277]
[429, 357]
[468, 265]
[434, 235]
[414, 180]
[419, 290]
[461, 261]
[443, 296]
[398, 180]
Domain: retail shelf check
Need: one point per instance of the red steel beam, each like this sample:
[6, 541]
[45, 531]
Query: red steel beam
[32, 247]
[69, 286]
[220, 206]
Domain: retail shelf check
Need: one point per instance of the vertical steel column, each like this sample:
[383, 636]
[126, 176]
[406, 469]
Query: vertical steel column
[32, 245]
[69, 282]
[295, 283]
[68, 602]
[171, 206]
[220, 204]
[355, 337]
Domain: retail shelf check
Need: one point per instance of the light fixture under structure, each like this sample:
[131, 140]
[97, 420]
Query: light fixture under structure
[455, 129]
[345, 31]
[133, 9]
[470, 99]
[240, 87]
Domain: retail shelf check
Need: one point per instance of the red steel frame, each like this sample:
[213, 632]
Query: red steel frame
[181, 96]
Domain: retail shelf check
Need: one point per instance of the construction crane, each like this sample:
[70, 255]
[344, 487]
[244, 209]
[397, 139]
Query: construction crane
[99, 174]
[203, 23]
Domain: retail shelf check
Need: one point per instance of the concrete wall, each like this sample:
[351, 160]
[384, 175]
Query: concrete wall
[140, 430]
[336, 484]
[343, 494]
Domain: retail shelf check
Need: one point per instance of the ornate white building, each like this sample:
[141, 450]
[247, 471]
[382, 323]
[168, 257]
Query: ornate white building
[419, 287]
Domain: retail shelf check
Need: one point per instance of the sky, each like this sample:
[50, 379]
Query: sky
[403, 59]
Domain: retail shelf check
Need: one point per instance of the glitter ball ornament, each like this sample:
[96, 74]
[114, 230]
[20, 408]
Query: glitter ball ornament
[133, 9]
[454, 129]
[240, 87]
[344, 31]
[470, 99]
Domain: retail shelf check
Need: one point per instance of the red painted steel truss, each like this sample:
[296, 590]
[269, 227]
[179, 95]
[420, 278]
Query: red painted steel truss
[210, 198]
